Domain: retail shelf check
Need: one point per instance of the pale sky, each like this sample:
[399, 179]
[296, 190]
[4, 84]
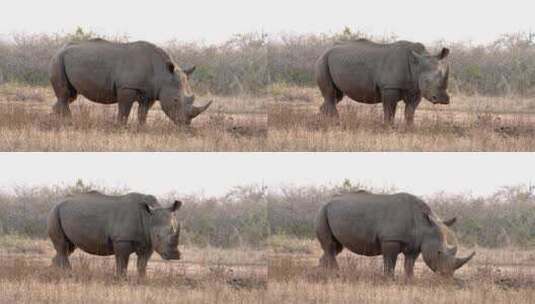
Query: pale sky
[215, 21]
[213, 174]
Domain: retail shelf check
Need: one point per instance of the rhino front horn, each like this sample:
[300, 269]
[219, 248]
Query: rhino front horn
[459, 262]
[195, 111]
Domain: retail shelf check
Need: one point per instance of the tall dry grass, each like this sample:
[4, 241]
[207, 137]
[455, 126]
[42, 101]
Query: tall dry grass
[205, 275]
[27, 124]
[494, 276]
[470, 123]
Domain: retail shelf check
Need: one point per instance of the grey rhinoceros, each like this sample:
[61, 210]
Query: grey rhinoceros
[108, 72]
[372, 73]
[114, 225]
[381, 224]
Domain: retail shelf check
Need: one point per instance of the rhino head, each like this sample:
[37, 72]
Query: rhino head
[439, 249]
[176, 97]
[164, 232]
[432, 73]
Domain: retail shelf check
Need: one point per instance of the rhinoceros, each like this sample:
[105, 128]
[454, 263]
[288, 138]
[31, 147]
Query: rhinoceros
[371, 73]
[108, 72]
[114, 225]
[387, 224]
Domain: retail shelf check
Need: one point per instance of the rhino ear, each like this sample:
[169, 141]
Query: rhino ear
[450, 222]
[171, 67]
[443, 54]
[147, 208]
[176, 205]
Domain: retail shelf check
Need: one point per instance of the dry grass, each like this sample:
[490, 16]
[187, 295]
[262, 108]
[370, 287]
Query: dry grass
[206, 275]
[494, 276]
[287, 120]
[231, 124]
[468, 124]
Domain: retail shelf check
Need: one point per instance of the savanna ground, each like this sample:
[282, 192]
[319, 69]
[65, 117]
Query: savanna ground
[222, 241]
[27, 124]
[505, 275]
[204, 275]
[257, 245]
[469, 123]
[285, 118]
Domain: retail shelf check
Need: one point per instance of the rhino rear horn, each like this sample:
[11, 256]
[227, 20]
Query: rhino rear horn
[459, 262]
[195, 111]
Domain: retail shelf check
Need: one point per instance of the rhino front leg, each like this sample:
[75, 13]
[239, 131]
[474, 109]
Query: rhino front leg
[411, 103]
[125, 100]
[142, 260]
[391, 251]
[390, 100]
[142, 113]
[143, 110]
[410, 260]
[122, 255]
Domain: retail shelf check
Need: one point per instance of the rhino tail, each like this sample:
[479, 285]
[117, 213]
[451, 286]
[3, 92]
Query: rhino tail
[328, 88]
[61, 242]
[328, 241]
[59, 79]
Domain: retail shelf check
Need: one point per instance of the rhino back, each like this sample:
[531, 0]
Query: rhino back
[97, 68]
[361, 221]
[362, 68]
[93, 222]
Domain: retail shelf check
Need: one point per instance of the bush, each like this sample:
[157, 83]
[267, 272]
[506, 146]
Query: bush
[237, 219]
[505, 218]
[250, 63]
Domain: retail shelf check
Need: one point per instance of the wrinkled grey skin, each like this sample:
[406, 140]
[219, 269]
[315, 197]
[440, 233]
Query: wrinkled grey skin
[107, 72]
[376, 224]
[371, 73]
[114, 225]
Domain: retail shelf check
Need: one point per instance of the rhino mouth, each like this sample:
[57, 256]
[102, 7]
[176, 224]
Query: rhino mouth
[440, 100]
[171, 256]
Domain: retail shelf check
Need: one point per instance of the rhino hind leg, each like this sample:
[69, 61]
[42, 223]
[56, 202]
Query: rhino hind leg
[330, 100]
[331, 94]
[331, 247]
[64, 248]
[63, 89]
[61, 107]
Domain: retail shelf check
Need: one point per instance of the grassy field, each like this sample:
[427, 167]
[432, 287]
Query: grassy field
[27, 124]
[493, 276]
[469, 123]
[207, 275]
[283, 119]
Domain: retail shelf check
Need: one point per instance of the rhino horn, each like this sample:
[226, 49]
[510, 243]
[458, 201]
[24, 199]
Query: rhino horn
[452, 251]
[459, 262]
[195, 111]
[450, 221]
